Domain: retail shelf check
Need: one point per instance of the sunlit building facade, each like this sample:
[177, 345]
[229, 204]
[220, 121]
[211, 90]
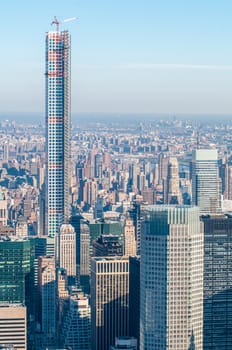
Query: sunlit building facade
[67, 250]
[171, 281]
[13, 327]
[205, 181]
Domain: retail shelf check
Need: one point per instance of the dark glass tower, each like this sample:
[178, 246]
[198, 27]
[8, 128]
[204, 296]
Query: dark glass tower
[17, 278]
[82, 251]
[134, 296]
[16, 271]
[217, 283]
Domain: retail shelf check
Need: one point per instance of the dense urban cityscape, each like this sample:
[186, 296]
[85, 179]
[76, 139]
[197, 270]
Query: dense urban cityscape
[130, 225]
[115, 229]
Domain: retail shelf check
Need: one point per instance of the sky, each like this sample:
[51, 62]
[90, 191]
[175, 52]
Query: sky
[128, 56]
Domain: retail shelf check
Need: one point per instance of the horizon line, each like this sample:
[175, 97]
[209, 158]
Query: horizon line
[175, 66]
[158, 66]
[126, 112]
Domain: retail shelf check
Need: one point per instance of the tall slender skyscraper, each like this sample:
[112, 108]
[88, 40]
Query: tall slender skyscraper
[57, 129]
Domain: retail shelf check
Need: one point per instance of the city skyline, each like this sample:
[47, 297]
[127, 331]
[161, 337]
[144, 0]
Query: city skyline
[115, 231]
[119, 171]
[148, 57]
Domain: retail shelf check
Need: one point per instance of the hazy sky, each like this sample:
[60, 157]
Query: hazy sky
[166, 56]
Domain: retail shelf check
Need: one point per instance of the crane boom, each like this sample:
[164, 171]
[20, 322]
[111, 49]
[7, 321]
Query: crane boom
[70, 19]
[57, 22]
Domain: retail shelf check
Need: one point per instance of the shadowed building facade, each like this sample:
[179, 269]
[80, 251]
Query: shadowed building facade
[217, 283]
[47, 298]
[109, 300]
[134, 297]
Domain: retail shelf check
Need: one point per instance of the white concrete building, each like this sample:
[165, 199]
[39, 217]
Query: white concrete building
[67, 249]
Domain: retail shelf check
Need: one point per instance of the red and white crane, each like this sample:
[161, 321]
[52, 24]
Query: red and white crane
[57, 22]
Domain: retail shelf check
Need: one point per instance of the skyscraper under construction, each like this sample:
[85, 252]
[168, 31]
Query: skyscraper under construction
[57, 129]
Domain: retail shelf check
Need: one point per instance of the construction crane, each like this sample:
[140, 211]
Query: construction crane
[57, 22]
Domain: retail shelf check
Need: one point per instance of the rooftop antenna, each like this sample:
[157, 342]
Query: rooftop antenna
[57, 22]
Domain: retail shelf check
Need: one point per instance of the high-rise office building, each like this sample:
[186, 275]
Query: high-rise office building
[16, 266]
[13, 327]
[62, 297]
[98, 160]
[3, 208]
[42, 223]
[98, 208]
[135, 214]
[21, 228]
[223, 174]
[129, 238]
[75, 332]
[62, 283]
[163, 173]
[84, 253]
[5, 149]
[226, 177]
[17, 276]
[205, 177]
[51, 245]
[134, 297]
[217, 328]
[57, 74]
[173, 194]
[109, 300]
[171, 280]
[67, 250]
[149, 195]
[47, 298]
[82, 250]
[163, 166]
[40, 250]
